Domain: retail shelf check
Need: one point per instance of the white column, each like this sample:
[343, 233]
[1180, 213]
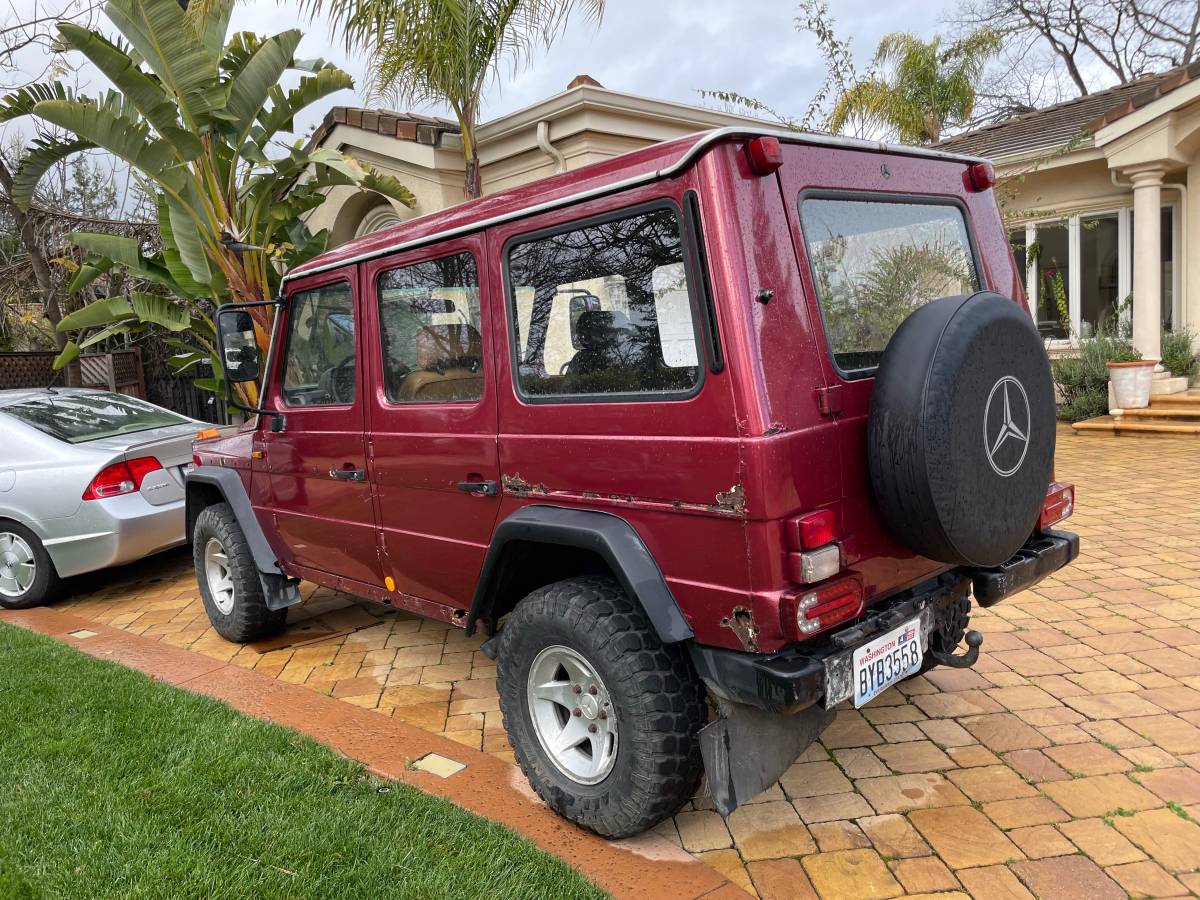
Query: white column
[1147, 262]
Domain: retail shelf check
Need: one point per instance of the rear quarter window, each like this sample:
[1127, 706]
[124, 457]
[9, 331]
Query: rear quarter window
[875, 261]
[603, 309]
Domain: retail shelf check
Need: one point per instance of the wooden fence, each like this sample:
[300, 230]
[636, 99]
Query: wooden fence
[120, 371]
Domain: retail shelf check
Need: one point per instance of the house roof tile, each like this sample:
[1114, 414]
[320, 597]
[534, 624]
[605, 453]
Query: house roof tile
[1055, 126]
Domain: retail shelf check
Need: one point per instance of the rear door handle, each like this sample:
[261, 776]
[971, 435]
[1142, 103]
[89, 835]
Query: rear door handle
[348, 474]
[484, 488]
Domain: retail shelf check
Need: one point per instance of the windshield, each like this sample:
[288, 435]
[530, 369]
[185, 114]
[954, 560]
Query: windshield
[875, 261]
[78, 418]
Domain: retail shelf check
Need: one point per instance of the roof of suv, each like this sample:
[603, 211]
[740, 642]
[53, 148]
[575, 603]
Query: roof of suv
[627, 170]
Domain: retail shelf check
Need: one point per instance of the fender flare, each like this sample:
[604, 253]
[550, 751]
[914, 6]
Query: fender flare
[607, 535]
[279, 590]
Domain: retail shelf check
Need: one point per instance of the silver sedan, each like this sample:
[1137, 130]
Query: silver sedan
[88, 479]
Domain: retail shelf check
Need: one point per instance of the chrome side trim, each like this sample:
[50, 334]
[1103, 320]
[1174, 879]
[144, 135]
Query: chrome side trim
[703, 142]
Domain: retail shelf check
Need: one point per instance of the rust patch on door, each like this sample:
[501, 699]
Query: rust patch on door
[732, 500]
[741, 623]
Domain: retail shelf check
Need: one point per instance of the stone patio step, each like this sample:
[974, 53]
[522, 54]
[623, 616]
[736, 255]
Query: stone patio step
[1140, 425]
[1189, 400]
[1176, 411]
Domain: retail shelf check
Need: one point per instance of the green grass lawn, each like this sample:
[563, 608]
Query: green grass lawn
[113, 785]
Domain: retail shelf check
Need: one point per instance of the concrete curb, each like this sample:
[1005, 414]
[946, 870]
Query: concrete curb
[642, 867]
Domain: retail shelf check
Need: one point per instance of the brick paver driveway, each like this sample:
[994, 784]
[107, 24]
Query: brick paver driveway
[1066, 764]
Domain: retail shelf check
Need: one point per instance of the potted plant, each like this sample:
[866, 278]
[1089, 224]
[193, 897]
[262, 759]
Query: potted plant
[1131, 382]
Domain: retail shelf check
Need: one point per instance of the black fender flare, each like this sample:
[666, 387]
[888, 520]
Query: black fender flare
[609, 536]
[279, 590]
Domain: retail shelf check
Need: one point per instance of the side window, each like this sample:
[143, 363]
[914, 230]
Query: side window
[876, 261]
[319, 366]
[430, 318]
[604, 309]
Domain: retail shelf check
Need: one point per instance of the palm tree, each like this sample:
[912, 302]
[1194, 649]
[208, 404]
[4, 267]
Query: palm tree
[928, 87]
[444, 51]
[198, 117]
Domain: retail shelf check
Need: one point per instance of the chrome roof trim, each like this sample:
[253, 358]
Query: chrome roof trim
[705, 140]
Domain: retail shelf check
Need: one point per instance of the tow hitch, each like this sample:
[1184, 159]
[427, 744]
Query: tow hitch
[946, 658]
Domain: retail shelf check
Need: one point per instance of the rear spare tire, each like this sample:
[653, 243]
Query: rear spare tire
[961, 433]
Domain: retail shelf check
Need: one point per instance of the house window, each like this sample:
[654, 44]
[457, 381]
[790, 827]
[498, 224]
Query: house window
[1099, 273]
[1168, 266]
[1051, 271]
[1082, 265]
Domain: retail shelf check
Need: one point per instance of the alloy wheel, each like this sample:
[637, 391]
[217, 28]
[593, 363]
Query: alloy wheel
[18, 568]
[572, 714]
[219, 576]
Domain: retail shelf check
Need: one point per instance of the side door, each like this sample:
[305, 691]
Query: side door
[432, 418]
[310, 483]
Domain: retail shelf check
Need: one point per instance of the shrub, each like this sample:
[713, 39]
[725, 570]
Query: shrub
[1178, 355]
[1083, 380]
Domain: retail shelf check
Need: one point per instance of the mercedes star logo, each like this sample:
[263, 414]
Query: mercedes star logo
[1006, 425]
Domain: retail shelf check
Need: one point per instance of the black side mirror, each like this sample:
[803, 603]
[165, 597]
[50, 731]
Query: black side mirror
[238, 346]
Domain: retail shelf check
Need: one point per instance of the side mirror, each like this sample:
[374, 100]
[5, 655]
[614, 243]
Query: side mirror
[238, 346]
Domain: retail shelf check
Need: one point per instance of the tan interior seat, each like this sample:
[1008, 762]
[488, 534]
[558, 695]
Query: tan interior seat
[444, 373]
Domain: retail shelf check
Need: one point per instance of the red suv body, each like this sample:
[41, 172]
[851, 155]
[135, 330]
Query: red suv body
[656, 373]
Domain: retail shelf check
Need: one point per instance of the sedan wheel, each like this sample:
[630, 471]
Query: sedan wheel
[220, 578]
[18, 567]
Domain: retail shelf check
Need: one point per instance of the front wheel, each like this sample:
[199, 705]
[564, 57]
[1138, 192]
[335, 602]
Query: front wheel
[229, 582]
[602, 717]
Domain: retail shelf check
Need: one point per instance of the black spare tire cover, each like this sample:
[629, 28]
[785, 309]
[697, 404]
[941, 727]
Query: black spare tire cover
[961, 431]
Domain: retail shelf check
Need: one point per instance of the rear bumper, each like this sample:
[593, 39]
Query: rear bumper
[1042, 555]
[792, 680]
[112, 531]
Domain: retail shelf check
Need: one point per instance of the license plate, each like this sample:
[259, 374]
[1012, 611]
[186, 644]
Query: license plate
[887, 659]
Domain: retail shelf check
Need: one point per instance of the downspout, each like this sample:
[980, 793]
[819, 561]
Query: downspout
[543, 142]
[1183, 255]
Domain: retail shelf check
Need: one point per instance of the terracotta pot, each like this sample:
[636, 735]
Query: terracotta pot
[1131, 383]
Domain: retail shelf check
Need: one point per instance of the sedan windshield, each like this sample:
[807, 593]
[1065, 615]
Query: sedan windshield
[78, 418]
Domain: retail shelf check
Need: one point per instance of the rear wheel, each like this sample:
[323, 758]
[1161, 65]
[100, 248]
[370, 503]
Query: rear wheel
[27, 574]
[602, 716]
[229, 582]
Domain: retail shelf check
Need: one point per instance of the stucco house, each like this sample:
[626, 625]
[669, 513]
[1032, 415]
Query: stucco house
[1107, 189]
[581, 125]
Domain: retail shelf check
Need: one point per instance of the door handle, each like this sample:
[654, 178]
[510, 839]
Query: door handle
[348, 474]
[483, 488]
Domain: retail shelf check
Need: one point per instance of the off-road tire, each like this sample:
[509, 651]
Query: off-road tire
[46, 585]
[656, 696]
[249, 619]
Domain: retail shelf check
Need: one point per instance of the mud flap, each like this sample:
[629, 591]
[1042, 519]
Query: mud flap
[747, 749]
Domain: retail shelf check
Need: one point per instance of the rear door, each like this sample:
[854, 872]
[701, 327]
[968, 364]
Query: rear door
[432, 416]
[310, 483]
[869, 256]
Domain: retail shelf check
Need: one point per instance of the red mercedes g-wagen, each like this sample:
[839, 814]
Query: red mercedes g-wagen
[708, 439]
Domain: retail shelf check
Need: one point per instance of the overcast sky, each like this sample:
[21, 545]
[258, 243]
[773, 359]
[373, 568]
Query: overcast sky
[666, 49]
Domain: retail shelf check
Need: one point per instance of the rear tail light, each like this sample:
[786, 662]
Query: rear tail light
[812, 531]
[814, 565]
[979, 177]
[121, 478]
[813, 554]
[1060, 503]
[764, 155]
[821, 608]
